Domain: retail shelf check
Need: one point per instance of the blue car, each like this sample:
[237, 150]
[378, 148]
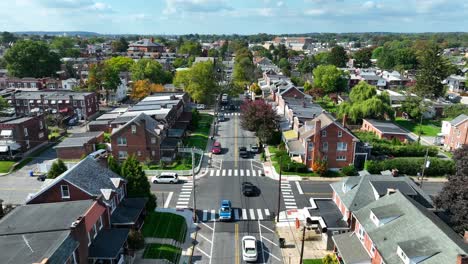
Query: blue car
[225, 212]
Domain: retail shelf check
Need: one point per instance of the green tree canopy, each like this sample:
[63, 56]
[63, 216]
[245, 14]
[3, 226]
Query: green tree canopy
[7, 37]
[65, 46]
[31, 59]
[244, 69]
[137, 182]
[120, 45]
[365, 103]
[338, 56]
[57, 168]
[120, 63]
[362, 57]
[191, 48]
[151, 70]
[199, 82]
[306, 65]
[329, 78]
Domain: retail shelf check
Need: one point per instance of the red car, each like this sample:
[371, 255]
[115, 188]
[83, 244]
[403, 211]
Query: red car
[216, 148]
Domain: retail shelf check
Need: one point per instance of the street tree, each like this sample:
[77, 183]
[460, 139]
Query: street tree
[137, 182]
[95, 78]
[306, 65]
[307, 86]
[256, 89]
[7, 37]
[143, 88]
[285, 66]
[244, 69]
[329, 78]
[338, 56]
[365, 103]
[31, 59]
[454, 196]
[151, 70]
[213, 53]
[362, 57]
[120, 45]
[57, 168]
[433, 69]
[199, 82]
[258, 116]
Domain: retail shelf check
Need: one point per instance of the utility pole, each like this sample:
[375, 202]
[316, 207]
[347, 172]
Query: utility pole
[302, 245]
[424, 168]
[193, 182]
[279, 190]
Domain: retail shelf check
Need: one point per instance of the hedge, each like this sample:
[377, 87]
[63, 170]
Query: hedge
[408, 150]
[411, 166]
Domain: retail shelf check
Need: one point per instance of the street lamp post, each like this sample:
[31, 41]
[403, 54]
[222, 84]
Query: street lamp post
[425, 165]
[279, 189]
[193, 182]
[302, 245]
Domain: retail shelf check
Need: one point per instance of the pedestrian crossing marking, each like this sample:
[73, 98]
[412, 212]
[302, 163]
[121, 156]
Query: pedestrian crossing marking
[259, 172]
[253, 173]
[213, 215]
[242, 173]
[291, 207]
[244, 214]
[205, 215]
[267, 212]
[259, 212]
[229, 172]
[252, 213]
[212, 172]
[236, 214]
[218, 172]
[247, 172]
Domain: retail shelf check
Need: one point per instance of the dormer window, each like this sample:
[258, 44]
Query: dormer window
[133, 129]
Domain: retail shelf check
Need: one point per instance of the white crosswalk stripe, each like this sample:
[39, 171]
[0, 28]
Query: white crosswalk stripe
[247, 172]
[244, 214]
[252, 213]
[253, 173]
[212, 172]
[237, 173]
[241, 172]
[229, 172]
[213, 215]
[259, 213]
[259, 172]
[238, 214]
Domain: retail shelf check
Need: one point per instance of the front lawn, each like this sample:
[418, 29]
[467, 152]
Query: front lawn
[165, 225]
[312, 261]
[5, 166]
[275, 163]
[428, 127]
[160, 251]
[201, 133]
[173, 166]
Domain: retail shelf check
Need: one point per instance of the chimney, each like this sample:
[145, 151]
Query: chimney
[462, 259]
[394, 172]
[391, 191]
[345, 119]
[317, 140]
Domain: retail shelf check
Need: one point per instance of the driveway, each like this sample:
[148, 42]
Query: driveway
[15, 187]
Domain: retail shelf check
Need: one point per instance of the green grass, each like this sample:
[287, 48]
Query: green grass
[275, 164]
[428, 127]
[54, 135]
[312, 261]
[174, 166]
[165, 225]
[160, 251]
[199, 137]
[5, 166]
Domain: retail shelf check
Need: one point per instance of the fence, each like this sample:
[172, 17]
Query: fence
[181, 172]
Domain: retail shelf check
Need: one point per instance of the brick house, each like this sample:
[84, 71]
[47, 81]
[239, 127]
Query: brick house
[397, 229]
[82, 104]
[89, 180]
[20, 135]
[145, 45]
[33, 83]
[323, 138]
[384, 129]
[141, 136]
[456, 132]
[61, 232]
[79, 145]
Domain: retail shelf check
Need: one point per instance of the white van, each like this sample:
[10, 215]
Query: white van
[98, 154]
[166, 177]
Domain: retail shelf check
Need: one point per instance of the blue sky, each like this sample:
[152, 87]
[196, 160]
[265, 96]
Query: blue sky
[233, 16]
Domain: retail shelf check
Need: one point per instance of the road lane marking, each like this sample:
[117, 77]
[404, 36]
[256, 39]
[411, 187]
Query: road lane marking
[204, 253]
[261, 240]
[241, 172]
[230, 172]
[244, 214]
[186, 193]
[290, 203]
[213, 215]
[212, 240]
[205, 215]
[267, 213]
[253, 173]
[236, 214]
[236, 239]
[224, 173]
[168, 200]
[184, 196]
[217, 172]
[212, 173]
[288, 199]
[235, 172]
[204, 238]
[273, 256]
[270, 241]
[183, 199]
[299, 188]
[181, 206]
[252, 213]
[207, 226]
[247, 172]
[267, 228]
[288, 196]
[236, 149]
[291, 207]
[259, 212]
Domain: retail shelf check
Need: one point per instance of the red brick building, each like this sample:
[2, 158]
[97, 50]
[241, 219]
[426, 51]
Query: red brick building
[20, 135]
[33, 83]
[141, 137]
[79, 145]
[457, 135]
[385, 129]
[145, 45]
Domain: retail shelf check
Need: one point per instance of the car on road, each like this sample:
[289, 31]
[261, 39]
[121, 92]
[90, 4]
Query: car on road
[200, 106]
[224, 99]
[220, 117]
[232, 107]
[254, 149]
[249, 249]
[166, 177]
[225, 211]
[248, 189]
[243, 152]
[216, 149]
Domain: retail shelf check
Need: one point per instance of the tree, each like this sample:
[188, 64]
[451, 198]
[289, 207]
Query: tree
[143, 88]
[244, 69]
[330, 259]
[213, 53]
[285, 66]
[306, 65]
[199, 82]
[223, 49]
[454, 110]
[7, 37]
[191, 48]
[120, 45]
[120, 63]
[307, 86]
[179, 62]
[338, 56]
[322, 58]
[454, 196]
[111, 80]
[414, 107]
[365, 103]
[256, 89]
[135, 240]
[137, 182]
[65, 47]
[31, 59]
[151, 70]
[434, 68]
[329, 78]
[57, 168]
[113, 165]
[95, 78]
[362, 57]
[258, 116]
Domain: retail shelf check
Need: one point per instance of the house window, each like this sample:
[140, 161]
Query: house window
[27, 144]
[153, 140]
[153, 153]
[138, 153]
[121, 141]
[65, 191]
[361, 233]
[372, 250]
[41, 125]
[340, 133]
[310, 146]
[89, 109]
[41, 135]
[123, 154]
[25, 131]
[324, 133]
[341, 146]
[112, 205]
[325, 146]
[325, 158]
[133, 129]
[340, 157]
[82, 103]
[458, 132]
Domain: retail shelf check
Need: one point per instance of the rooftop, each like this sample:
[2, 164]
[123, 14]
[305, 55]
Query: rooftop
[51, 95]
[387, 127]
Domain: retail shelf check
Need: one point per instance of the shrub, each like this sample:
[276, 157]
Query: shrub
[349, 170]
[320, 167]
[407, 150]
[136, 241]
[412, 166]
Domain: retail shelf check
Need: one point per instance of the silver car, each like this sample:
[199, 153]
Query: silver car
[249, 249]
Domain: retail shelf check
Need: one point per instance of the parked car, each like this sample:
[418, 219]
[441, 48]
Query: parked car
[100, 153]
[232, 107]
[225, 211]
[254, 149]
[249, 249]
[243, 152]
[200, 106]
[216, 149]
[166, 177]
[220, 117]
[248, 189]
[224, 99]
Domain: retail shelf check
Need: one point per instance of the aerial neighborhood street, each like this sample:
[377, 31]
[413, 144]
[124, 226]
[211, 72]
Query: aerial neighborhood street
[215, 132]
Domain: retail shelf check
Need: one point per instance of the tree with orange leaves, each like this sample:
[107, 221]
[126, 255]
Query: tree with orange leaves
[143, 88]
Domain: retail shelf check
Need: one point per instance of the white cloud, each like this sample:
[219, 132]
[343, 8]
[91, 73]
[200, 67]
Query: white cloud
[315, 12]
[195, 6]
[266, 12]
[280, 4]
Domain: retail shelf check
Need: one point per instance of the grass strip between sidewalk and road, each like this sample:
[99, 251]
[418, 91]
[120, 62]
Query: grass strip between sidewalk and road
[312, 261]
[5, 166]
[160, 251]
[165, 225]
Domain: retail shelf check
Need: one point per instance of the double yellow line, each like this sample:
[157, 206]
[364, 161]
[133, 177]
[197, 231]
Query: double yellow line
[236, 148]
[236, 239]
